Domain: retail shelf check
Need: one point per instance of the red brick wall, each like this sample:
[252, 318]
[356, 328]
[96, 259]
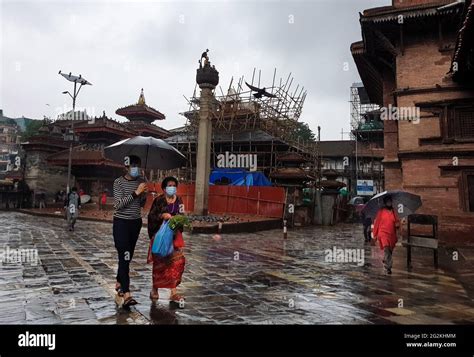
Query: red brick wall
[393, 178]
[423, 67]
[422, 64]
[440, 196]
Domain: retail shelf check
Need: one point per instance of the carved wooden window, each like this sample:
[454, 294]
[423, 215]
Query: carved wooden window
[460, 123]
[467, 190]
[470, 192]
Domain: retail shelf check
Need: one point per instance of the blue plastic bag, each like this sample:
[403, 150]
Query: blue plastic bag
[163, 243]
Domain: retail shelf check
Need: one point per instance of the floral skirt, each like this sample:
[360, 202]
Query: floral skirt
[167, 271]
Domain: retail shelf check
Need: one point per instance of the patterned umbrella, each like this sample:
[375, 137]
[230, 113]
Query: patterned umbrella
[404, 203]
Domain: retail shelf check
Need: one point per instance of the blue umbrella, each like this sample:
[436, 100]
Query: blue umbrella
[404, 203]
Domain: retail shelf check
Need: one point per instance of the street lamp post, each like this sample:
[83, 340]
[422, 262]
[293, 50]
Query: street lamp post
[81, 81]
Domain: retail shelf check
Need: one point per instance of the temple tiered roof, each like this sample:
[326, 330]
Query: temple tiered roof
[140, 111]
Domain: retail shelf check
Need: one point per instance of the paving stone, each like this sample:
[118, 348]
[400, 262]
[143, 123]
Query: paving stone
[272, 281]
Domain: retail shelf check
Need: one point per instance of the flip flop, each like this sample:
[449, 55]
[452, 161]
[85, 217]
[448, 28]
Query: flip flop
[130, 301]
[154, 297]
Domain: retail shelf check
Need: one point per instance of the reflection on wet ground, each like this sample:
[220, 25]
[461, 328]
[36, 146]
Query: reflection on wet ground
[242, 279]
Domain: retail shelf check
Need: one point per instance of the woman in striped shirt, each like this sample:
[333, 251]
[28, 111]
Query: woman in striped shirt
[129, 197]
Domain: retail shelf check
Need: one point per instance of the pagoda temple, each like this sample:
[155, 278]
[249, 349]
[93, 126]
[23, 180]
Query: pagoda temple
[48, 151]
[141, 116]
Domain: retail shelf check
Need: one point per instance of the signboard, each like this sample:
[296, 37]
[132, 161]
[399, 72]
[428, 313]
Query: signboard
[365, 187]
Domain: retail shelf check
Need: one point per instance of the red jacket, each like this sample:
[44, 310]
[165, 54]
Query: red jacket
[385, 228]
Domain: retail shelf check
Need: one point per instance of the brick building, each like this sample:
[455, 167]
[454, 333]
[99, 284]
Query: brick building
[416, 61]
[339, 157]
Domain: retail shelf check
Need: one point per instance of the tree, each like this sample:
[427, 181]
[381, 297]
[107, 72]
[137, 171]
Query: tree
[31, 129]
[303, 132]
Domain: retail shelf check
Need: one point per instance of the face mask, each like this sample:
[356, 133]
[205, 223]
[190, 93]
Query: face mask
[134, 172]
[170, 190]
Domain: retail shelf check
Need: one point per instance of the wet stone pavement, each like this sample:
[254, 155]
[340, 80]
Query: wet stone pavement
[254, 278]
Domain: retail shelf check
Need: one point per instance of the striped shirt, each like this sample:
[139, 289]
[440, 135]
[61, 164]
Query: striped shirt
[126, 204]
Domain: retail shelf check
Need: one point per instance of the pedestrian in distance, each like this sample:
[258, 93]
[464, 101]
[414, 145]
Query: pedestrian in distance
[72, 205]
[366, 225]
[42, 200]
[102, 200]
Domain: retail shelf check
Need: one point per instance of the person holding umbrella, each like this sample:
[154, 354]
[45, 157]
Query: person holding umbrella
[129, 196]
[385, 230]
[129, 191]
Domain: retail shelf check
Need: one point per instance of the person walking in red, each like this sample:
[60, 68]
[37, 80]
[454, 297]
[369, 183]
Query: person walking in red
[103, 200]
[386, 225]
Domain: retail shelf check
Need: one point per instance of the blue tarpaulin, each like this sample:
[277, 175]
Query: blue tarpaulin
[238, 177]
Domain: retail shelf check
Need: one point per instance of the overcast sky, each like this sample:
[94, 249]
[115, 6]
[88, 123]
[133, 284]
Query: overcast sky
[121, 47]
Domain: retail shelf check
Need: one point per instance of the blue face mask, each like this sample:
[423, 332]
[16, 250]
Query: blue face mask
[170, 190]
[134, 172]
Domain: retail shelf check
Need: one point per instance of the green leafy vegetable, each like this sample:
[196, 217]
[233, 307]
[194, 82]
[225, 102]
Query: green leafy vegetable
[179, 222]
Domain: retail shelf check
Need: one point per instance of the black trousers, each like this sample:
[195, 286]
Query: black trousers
[366, 226]
[126, 232]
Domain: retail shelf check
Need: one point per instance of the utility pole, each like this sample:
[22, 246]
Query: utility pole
[81, 81]
[356, 171]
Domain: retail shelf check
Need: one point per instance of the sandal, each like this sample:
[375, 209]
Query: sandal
[154, 297]
[129, 302]
[176, 298]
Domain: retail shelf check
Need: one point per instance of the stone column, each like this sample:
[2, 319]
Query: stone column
[201, 197]
[207, 78]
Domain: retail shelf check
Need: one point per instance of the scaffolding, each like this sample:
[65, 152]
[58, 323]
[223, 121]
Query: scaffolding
[367, 133]
[360, 105]
[240, 108]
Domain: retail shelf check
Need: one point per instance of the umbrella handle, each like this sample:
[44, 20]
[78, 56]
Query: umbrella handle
[144, 175]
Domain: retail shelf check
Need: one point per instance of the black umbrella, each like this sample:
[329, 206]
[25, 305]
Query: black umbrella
[154, 153]
[404, 203]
